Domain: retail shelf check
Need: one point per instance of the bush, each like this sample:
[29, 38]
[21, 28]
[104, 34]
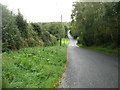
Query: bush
[11, 36]
[17, 33]
[53, 40]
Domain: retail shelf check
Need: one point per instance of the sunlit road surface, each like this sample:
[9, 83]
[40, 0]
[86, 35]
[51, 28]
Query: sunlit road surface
[89, 69]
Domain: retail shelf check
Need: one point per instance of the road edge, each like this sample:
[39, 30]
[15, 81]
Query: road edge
[99, 51]
[61, 77]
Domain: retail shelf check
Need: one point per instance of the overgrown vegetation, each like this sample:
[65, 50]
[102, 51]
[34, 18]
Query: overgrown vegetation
[65, 41]
[38, 67]
[17, 33]
[96, 24]
[26, 61]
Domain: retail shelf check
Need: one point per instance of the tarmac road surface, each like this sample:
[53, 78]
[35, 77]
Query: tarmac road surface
[89, 69]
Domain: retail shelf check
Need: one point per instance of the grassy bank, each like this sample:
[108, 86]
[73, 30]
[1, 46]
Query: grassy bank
[65, 41]
[38, 67]
[112, 52]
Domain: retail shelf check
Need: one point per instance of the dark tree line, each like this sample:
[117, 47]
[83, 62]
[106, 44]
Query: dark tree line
[17, 33]
[96, 23]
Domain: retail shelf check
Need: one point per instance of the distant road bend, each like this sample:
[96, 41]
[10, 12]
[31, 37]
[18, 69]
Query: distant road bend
[89, 69]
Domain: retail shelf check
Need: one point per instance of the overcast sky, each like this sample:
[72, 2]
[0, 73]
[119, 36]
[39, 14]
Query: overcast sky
[42, 10]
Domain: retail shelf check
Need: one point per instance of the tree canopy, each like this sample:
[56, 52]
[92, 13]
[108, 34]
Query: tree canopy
[96, 23]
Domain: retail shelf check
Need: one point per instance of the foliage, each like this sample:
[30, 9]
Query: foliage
[96, 23]
[34, 39]
[65, 41]
[66, 26]
[22, 25]
[11, 37]
[17, 33]
[57, 29]
[37, 28]
[33, 67]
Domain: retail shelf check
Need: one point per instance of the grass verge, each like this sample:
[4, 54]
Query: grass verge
[38, 67]
[65, 41]
[112, 52]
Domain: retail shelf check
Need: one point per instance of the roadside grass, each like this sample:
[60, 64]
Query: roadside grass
[37, 67]
[65, 41]
[108, 51]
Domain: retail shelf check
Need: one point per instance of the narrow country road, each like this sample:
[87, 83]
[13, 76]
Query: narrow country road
[89, 69]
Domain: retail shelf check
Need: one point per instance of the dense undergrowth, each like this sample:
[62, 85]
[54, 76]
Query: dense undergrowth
[33, 67]
[38, 67]
[96, 24]
[30, 58]
[17, 33]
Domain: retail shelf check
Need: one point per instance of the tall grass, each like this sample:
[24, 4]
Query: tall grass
[65, 41]
[38, 67]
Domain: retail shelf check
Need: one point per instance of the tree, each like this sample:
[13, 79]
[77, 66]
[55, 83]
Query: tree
[57, 29]
[11, 38]
[22, 25]
[95, 23]
[37, 28]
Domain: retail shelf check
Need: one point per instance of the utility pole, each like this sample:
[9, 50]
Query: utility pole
[60, 36]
